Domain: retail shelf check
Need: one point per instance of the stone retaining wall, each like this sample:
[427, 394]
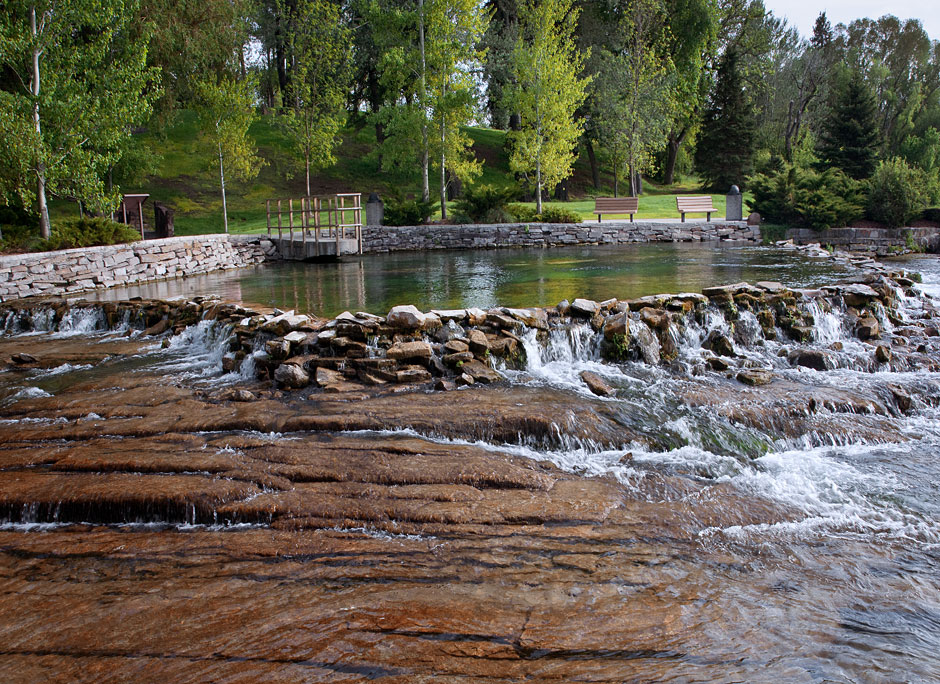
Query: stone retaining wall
[77, 270]
[879, 241]
[391, 239]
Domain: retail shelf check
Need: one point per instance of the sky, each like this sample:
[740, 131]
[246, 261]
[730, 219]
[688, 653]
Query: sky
[802, 13]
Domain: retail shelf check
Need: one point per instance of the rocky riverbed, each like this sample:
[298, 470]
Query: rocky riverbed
[733, 484]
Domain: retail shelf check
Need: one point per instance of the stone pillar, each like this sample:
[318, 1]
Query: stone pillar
[734, 206]
[375, 210]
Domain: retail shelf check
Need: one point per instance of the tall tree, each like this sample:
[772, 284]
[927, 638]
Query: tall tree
[546, 92]
[225, 107]
[725, 152]
[851, 138]
[319, 44]
[75, 84]
[635, 91]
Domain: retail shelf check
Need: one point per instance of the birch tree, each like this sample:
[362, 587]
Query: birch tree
[75, 84]
[225, 108]
[546, 92]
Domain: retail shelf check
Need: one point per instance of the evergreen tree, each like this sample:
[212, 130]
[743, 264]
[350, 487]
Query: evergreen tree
[850, 137]
[725, 152]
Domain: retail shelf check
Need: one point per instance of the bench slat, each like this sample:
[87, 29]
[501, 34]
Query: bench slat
[695, 204]
[616, 205]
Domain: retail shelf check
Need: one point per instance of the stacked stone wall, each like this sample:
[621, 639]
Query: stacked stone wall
[78, 270]
[878, 241]
[391, 239]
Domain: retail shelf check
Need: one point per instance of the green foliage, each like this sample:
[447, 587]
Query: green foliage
[546, 92]
[319, 41]
[66, 117]
[89, 232]
[522, 213]
[403, 211]
[931, 214]
[725, 152]
[225, 110]
[797, 196]
[558, 215]
[485, 203]
[851, 138]
[898, 193]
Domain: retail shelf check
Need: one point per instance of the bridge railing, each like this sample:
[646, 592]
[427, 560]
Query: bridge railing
[320, 219]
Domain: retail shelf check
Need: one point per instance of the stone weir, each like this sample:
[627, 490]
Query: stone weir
[446, 349]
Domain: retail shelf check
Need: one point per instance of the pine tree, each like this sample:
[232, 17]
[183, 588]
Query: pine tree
[725, 152]
[850, 137]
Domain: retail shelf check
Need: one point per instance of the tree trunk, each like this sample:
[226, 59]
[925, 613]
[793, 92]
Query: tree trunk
[307, 169]
[443, 175]
[425, 184]
[538, 186]
[595, 172]
[222, 177]
[672, 156]
[616, 181]
[44, 226]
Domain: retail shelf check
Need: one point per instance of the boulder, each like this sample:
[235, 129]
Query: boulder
[480, 373]
[476, 316]
[647, 344]
[817, 359]
[455, 346]
[447, 315]
[596, 384]
[278, 348]
[617, 326]
[858, 294]
[533, 318]
[412, 375]
[867, 328]
[291, 376]
[584, 308]
[158, 328]
[755, 376]
[719, 343]
[326, 377]
[285, 323]
[402, 351]
[458, 358]
[656, 318]
[718, 363]
[478, 342]
[23, 358]
[406, 318]
[882, 354]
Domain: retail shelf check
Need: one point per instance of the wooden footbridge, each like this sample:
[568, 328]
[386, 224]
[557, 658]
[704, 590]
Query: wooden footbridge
[313, 227]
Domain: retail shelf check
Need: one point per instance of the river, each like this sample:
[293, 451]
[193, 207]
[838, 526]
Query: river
[687, 528]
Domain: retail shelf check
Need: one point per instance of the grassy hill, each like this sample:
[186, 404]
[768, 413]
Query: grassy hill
[187, 177]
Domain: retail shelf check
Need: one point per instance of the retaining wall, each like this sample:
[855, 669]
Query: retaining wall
[391, 239]
[879, 241]
[77, 270]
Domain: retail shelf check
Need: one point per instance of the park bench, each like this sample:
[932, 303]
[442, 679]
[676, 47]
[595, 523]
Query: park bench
[695, 204]
[615, 205]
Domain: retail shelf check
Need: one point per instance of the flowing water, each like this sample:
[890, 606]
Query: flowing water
[787, 533]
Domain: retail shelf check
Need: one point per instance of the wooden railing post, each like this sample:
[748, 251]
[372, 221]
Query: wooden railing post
[279, 219]
[267, 215]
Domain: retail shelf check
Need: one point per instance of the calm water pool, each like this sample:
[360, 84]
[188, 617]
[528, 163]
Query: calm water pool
[485, 278]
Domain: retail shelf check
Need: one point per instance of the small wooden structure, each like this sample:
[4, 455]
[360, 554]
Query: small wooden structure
[695, 204]
[616, 205]
[131, 211]
[326, 226]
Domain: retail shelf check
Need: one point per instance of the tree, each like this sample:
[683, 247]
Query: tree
[75, 83]
[225, 108]
[320, 45]
[850, 137]
[725, 152]
[546, 92]
[635, 92]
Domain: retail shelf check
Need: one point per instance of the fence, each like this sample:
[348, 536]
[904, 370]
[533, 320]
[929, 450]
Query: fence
[333, 218]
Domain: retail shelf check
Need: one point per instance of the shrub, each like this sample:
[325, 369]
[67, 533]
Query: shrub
[400, 211]
[558, 215]
[931, 214]
[89, 232]
[799, 196]
[18, 229]
[486, 203]
[523, 213]
[898, 193]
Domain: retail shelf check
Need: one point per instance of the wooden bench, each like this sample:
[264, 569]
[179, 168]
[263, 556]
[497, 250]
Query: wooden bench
[695, 204]
[615, 205]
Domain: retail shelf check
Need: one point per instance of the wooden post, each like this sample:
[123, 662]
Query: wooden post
[316, 225]
[267, 214]
[303, 222]
[290, 219]
[279, 219]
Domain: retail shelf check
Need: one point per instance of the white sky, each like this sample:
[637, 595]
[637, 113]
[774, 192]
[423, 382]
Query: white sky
[802, 13]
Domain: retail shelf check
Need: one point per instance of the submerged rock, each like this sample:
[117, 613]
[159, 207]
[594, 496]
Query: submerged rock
[755, 377]
[817, 359]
